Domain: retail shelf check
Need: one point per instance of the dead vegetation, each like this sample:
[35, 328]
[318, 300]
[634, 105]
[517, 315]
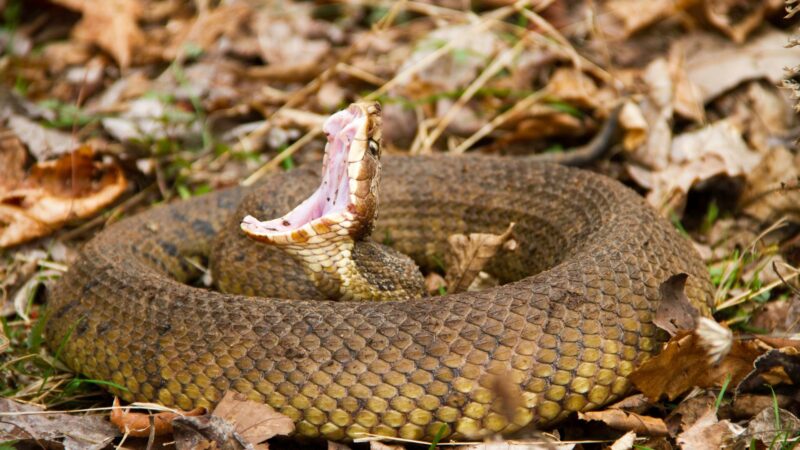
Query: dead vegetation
[110, 106]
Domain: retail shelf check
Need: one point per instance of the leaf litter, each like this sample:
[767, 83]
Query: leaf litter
[109, 107]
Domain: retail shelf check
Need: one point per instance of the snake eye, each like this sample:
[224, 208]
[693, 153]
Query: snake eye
[374, 148]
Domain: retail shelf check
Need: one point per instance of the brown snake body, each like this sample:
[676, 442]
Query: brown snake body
[561, 335]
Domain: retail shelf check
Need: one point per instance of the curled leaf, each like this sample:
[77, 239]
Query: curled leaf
[628, 421]
[684, 363]
[138, 424]
[709, 433]
[54, 192]
[675, 311]
[235, 423]
[470, 254]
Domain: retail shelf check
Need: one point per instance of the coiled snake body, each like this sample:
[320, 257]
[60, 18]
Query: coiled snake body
[572, 320]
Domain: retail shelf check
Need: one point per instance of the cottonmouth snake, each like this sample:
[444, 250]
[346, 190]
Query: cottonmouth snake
[572, 320]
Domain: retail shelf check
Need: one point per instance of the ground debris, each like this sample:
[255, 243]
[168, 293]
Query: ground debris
[30, 424]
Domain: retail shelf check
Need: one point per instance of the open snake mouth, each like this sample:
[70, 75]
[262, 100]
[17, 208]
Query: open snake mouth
[346, 177]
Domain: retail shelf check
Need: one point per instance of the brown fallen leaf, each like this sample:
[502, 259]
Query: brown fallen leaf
[469, 254]
[782, 316]
[136, 424]
[541, 444]
[625, 442]
[736, 18]
[43, 143]
[290, 42]
[772, 190]
[29, 426]
[716, 65]
[235, 423]
[694, 157]
[746, 406]
[203, 30]
[637, 403]
[684, 364]
[709, 433]
[54, 192]
[254, 421]
[12, 160]
[778, 366]
[627, 421]
[675, 311]
[574, 87]
[771, 428]
[688, 412]
[375, 445]
[618, 20]
[110, 24]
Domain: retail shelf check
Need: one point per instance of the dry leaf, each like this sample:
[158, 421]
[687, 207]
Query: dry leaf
[708, 433]
[73, 432]
[206, 28]
[627, 421]
[765, 112]
[694, 157]
[637, 403]
[675, 311]
[745, 406]
[656, 111]
[47, 198]
[625, 442]
[254, 421]
[543, 444]
[688, 412]
[769, 429]
[622, 18]
[12, 160]
[716, 65]
[137, 424]
[235, 423]
[778, 366]
[469, 255]
[687, 99]
[471, 49]
[290, 43]
[772, 189]
[110, 24]
[375, 445]
[43, 143]
[736, 18]
[144, 121]
[684, 364]
[781, 316]
[635, 126]
[574, 87]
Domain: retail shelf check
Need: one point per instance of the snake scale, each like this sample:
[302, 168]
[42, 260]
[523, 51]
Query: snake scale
[570, 323]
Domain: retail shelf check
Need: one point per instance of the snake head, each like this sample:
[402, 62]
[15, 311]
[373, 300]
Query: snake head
[345, 204]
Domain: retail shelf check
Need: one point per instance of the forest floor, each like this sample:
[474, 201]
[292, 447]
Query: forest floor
[109, 107]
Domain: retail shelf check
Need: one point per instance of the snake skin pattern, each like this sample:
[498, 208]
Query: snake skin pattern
[571, 322]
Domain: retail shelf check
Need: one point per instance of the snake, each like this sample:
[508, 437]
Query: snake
[570, 319]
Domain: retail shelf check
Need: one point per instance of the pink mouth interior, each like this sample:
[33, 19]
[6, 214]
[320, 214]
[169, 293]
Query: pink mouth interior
[334, 191]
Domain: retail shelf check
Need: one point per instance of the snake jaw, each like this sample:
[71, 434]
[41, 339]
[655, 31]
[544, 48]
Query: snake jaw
[345, 204]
